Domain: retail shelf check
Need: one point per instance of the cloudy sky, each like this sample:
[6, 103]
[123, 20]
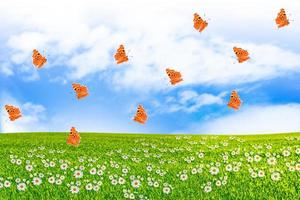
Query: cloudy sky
[79, 39]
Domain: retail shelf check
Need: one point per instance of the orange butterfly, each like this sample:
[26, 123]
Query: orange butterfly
[13, 112]
[235, 101]
[120, 55]
[81, 90]
[241, 54]
[175, 76]
[281, 19]
[141, 115]
[199, 23]
[37, 59]
[74, 137]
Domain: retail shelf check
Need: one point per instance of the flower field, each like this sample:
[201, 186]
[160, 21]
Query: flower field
[132, 166]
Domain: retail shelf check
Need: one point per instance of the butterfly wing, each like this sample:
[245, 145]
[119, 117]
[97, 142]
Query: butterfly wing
[175, 76]
[83, 92]
[281, 19]
[120, 55]
[80, 90]
[199, 23]
[234, 101]
[196, 21]
[37, 59]
[140, 116]
[203, 25]
[13, 112]
[241, 54]
[73, 138]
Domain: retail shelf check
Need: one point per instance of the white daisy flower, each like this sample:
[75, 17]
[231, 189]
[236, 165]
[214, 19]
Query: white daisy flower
[291, 168]
[36, 181]
[183, 177]
[250, 159]
[131, 196]
[89, 186]
[261, 173]
[269, 146]
[78, 174]
[19, 162]
[136, 183]
[297, 166]
[201, 155]
[156, 184]
[29, 168]
[166, 190]
[257, 158]
[194, 171]
[7, 184]
[236, 168]
[64, 166]
[149, 168]
[100, 172]
[272, 161]
[225, 157]
[275, 176]
[21, 186]
[103, 167]
[214, 170]
[13, 161]
[78, 183]
[121, 181]
[253, 174]
[200, 170]
[52, 164]
[96, 188]
[218, 183]
[93, 171]
[207, 188]
[125, 171]
[286, 153]
[51, 180]
[74, 189]
[228, 167]
[58, 182]
[114, 182]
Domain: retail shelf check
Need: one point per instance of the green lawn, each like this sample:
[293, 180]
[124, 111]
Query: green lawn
[136, 166]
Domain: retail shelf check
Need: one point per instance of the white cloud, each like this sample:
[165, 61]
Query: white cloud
[82, 36]
[32, 119]
[188, 101]
[5, 68]
[35, 119]
[254, 120]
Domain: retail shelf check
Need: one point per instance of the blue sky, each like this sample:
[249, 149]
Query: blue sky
[80, 38]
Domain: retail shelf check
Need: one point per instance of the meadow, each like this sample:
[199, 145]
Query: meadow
[140, 166]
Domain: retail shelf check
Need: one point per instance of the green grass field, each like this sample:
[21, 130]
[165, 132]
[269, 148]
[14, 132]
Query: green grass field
[119, 166]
